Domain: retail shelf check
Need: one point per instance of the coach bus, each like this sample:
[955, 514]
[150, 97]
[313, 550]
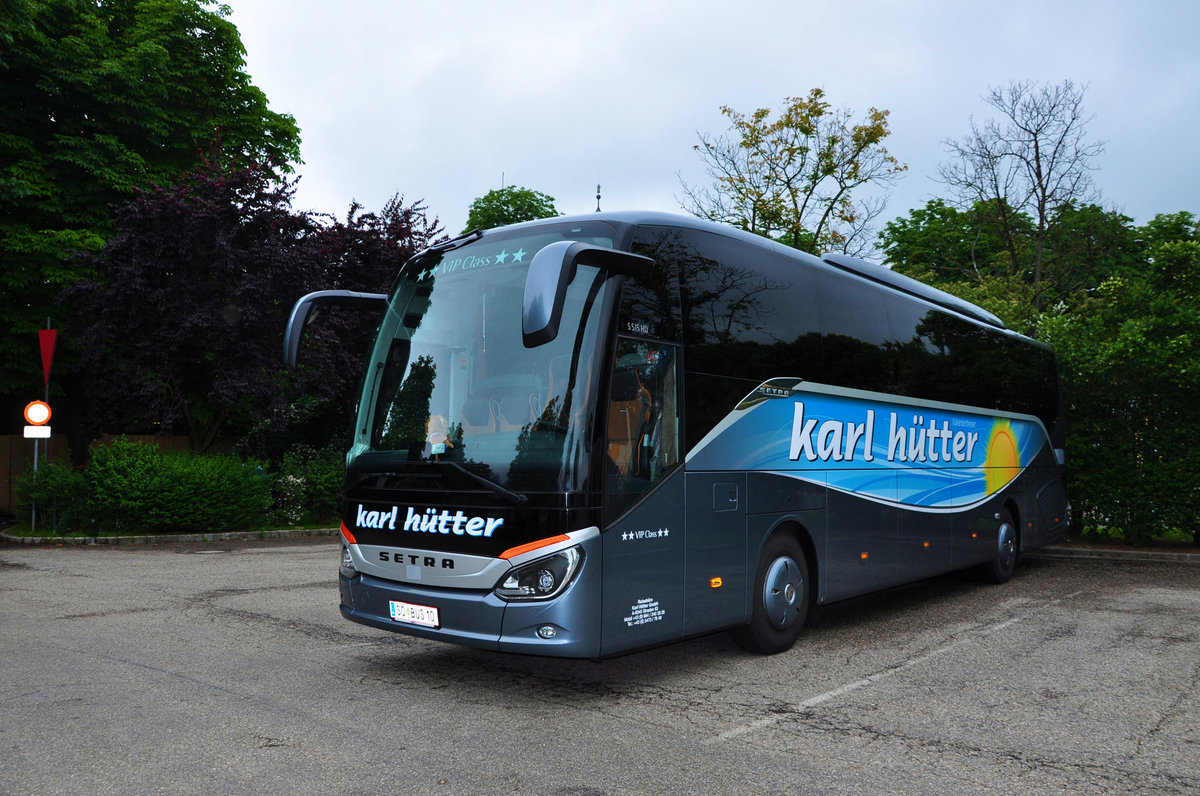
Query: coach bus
[589, 435]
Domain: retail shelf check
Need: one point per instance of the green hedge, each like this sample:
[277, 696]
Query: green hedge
[135, 488]
[61, 494]
[131, 487]
[1130, 364]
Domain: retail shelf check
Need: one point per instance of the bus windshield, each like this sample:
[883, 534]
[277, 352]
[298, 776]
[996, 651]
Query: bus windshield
[452, 381]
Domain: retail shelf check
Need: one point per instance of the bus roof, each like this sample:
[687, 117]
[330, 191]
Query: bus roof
[626, 220]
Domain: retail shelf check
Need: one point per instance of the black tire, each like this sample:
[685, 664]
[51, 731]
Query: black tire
[1007, 549]
[781, 599]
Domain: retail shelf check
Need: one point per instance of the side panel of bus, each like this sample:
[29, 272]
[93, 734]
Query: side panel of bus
[753, 319]
[717, 575]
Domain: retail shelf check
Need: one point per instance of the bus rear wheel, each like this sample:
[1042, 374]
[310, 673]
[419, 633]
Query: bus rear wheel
[1004, 560]
[781, 597]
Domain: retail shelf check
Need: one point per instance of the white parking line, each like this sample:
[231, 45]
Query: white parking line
[960, 641]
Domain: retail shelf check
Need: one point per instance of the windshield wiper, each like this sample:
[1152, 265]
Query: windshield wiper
[369, 476]
[450, 245]
[513, 497]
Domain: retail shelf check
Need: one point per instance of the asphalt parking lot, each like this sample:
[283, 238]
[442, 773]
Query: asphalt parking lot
[225, 667]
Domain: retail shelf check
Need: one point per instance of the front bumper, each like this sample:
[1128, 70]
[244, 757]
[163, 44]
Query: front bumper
[482, 620]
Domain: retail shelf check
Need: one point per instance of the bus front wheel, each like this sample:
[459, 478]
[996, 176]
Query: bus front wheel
[781, 597]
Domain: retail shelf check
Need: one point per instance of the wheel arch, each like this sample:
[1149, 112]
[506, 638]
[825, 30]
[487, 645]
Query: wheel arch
[797, 530]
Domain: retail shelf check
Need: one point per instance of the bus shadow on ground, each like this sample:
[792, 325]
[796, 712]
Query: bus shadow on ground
[679, 672]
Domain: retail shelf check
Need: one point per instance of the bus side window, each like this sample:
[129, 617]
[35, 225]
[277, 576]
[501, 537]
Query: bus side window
[643, 419]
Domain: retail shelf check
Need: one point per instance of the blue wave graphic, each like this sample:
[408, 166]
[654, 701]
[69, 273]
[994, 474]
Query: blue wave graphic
[922, 456]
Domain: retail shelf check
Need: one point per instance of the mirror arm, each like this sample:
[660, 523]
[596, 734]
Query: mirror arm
[551, 271]
[303, 309]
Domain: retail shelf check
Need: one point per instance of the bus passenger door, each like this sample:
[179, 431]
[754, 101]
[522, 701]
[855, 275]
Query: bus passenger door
[643, 499]
[642, 601]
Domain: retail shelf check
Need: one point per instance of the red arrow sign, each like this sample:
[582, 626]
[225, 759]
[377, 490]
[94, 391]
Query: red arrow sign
[46, 338]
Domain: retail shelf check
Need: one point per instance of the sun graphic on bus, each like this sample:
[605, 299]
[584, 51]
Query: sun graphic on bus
[1003, 462]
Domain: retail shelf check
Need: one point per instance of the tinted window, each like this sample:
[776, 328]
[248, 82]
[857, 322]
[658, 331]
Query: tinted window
[954, 360]
[916, 360]
[650, 303]
[745, 314]
[856, 344]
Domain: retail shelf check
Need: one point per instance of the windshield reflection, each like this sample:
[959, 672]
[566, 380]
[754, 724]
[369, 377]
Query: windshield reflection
[455, 384]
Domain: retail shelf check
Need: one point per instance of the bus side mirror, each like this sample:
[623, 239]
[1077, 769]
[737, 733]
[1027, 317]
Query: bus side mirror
[551, 270]
[304, 310]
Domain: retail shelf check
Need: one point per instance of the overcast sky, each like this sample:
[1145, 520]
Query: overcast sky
[444, 101]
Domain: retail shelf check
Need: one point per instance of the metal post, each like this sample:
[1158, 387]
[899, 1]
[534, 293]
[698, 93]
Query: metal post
[33, 503]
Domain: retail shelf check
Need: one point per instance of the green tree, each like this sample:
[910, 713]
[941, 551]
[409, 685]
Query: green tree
[955, 245]
[509, 206]
[1130, 362]
[98, 97]
[1170, 227]
[985, 255]
[966, 253]
[1085, 245]
[797, 177]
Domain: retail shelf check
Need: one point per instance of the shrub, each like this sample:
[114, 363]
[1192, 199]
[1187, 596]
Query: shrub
[131, 487]
[61, 494]
[308, 484]
[290, 499]
[138, 488]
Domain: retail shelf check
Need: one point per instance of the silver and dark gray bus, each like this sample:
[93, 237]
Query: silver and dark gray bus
[589, 435]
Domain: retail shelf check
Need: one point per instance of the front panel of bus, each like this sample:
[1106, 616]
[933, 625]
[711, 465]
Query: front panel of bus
[472, 505]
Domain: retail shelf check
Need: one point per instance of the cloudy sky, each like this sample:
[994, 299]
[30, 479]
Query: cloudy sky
[444, 100]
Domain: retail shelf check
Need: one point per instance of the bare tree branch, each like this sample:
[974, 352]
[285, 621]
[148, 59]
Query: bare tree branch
[1035, 160]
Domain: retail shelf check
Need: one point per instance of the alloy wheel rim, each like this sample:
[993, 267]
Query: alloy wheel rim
[781, 592]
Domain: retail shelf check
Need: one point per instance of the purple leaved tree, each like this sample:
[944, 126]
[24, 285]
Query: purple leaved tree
[181, 330]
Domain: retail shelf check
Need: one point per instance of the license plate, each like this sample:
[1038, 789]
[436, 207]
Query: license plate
[410, 614]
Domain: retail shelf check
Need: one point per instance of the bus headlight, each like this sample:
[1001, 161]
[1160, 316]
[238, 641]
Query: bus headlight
[541, 579]
[347, 566]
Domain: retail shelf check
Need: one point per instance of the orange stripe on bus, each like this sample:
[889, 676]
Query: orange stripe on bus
[513, 552]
